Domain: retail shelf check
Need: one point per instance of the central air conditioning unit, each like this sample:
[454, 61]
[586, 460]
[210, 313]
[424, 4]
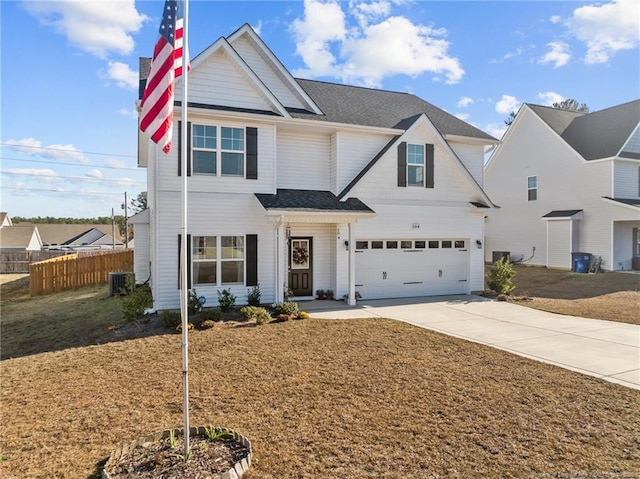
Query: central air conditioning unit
[118, 282]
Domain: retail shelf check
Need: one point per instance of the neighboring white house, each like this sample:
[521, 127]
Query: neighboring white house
[19, 238]
[304, 185]
[567, 182]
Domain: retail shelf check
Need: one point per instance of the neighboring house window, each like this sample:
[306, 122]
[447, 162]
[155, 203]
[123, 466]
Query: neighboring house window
[532, 188]
[218, 149]
[216, 257]
[415, 165]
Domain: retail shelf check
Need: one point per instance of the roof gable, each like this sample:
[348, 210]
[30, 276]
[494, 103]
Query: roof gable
[601, 134]
[423, 122]
[19, 237]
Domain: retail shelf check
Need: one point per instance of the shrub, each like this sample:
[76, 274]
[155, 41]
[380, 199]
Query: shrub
[254, 295]
[500, 277]
[207, 324]
[260, 315]
[320, 294]
[138, 299]
[226, 300]
[283, 317]
[329, 293]
[179, 327]
[213, 314]
[288, 307]
[194, 305]
[171, 319]
[303, 315]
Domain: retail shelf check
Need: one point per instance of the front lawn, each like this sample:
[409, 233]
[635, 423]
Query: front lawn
[321, 399]
[611, 296]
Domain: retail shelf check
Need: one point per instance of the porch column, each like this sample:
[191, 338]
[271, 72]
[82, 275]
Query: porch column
[280, 263]
[351, 301]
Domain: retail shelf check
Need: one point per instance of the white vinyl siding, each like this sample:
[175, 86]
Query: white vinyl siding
[633, 144]
[472, 157]
[218, 81]
[355, 151]
[559, 244]
[268, 75]
[626, 179]
[303, 161]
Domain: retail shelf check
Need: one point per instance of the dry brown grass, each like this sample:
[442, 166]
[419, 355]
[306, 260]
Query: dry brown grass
[611, 296]
[322, 399]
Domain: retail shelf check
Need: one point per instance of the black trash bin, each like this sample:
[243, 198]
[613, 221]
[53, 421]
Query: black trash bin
[580, 262]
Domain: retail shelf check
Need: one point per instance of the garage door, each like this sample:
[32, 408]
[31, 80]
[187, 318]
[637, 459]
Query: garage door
[408, 268]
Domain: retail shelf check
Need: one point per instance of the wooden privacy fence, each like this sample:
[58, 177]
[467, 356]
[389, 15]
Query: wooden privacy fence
[19, 261]
[72, 271]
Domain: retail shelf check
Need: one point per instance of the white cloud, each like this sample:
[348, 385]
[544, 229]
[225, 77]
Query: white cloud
[507, 104]
[558, 54]
[113, 163]
[93, 173]
[378, 46]
[121, 74]
[95, 26]
[606, 29]
[34, 147]
[548, 98]
[496, 130]
[555, 19]
[464, 102]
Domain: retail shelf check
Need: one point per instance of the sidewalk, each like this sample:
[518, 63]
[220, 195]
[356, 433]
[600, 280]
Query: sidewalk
[604, 349]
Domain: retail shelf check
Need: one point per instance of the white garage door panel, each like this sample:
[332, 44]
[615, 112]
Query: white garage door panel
[398, 273]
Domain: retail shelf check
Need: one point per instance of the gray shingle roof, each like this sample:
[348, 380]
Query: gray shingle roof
[379, 108]
[310, 200]
[561, 213]
[596, 135]
[16, 236]
[626, 201]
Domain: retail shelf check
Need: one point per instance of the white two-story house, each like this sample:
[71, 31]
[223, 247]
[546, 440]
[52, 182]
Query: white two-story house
[297, 185]
[567, 182]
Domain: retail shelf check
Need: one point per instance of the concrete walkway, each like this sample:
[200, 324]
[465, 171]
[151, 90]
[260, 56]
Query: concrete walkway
[604, 349]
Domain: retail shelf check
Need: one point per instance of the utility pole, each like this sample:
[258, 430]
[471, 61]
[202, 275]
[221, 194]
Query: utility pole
[113, 229]
[125, 207]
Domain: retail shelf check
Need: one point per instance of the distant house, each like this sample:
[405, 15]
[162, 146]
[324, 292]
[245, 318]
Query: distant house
[78, 236]
[5, 220]
[19, 238]
[567, 182]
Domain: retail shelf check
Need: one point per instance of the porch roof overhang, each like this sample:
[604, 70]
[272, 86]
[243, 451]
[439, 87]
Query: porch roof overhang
[563, 215]
[312, 206]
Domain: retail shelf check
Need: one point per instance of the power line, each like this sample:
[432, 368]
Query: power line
[80, 178]
[51, 162]
[49, 148]
[66, 192]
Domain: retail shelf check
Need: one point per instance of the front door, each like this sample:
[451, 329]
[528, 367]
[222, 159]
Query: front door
[300, 267]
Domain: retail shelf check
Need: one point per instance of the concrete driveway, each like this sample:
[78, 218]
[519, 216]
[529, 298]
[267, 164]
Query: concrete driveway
[604, 349]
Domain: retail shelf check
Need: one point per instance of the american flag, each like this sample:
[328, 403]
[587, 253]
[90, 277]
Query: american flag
[166, 66]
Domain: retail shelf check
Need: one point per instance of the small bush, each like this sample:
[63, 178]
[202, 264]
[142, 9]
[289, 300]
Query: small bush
[321, 294]
[171, 319]
[260, 315]
[207, 324]
[329, 294]
[179, 327]
[283, 317]
[303, 315]
[213, 314]
[501, 276]
[194, 304]
[226, 300]
[254, 295]
[288, 307]
[138, 299]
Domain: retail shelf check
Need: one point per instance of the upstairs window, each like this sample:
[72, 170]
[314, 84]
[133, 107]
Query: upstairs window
[415, 165]
[532, 188]
[218, 151]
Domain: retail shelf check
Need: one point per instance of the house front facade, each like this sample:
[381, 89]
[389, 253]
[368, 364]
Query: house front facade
[297, 186]
[567, 182]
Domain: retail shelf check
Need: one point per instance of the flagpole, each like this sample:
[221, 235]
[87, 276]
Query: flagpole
[184, 249]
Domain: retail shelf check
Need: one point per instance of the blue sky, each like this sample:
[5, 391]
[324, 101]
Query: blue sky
[69, 73]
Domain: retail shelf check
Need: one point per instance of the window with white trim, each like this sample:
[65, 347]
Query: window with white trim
[532, 188]
[217, 260]
[218, 150]
[415, 165]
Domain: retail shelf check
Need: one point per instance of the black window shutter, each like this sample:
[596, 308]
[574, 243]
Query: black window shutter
[252, 153]
[188, 260]
[402, 164]
[180, 148]
[252, 260]
[429, 164]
